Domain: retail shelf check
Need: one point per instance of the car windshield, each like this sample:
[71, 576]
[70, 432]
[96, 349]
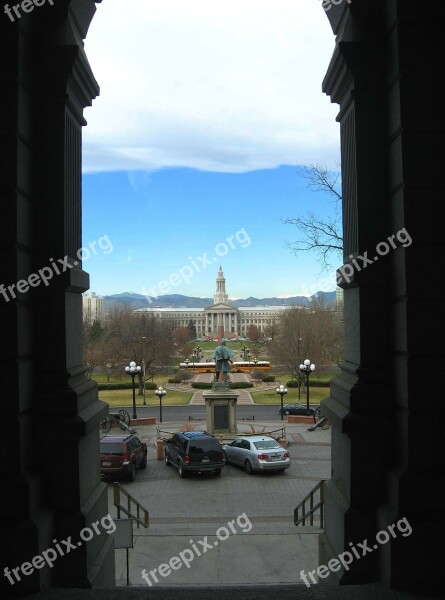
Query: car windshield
[106, 448]
[266, 445]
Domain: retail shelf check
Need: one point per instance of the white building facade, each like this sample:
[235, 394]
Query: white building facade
[235, 320]
[93, 308]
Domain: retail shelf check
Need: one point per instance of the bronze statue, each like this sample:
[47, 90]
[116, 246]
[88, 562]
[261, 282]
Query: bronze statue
[222, 356]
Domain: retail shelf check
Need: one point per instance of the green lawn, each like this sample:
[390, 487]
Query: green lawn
[125, 398]
[271, 396]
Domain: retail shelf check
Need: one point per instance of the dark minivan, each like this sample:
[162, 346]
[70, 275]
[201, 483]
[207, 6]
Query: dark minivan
[194, 452]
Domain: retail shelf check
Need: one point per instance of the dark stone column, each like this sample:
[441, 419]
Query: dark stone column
[360, 406]
[51, 486]
[385, 407]
[415, 134]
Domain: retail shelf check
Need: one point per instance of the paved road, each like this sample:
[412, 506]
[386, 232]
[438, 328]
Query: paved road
[177, 413]
[183, 511]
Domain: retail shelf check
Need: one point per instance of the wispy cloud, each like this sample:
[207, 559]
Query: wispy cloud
[231, 86]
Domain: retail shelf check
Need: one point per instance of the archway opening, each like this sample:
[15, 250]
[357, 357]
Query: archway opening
[215, 174]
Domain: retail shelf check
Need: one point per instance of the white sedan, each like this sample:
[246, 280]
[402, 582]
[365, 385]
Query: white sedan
[257, 453]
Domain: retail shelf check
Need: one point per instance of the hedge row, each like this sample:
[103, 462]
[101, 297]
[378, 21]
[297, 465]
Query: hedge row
[125, 386]
[294, 384]
[241, 385]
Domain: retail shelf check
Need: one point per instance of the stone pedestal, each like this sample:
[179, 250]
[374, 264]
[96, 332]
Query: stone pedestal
[221, 408]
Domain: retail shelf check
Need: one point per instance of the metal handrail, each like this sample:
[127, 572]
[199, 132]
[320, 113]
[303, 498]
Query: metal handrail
[282, 435]
[117, 491]
[309, 514]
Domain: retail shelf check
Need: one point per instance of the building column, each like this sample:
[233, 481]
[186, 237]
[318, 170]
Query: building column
[386, 415]
[360, 402]
[50, 473]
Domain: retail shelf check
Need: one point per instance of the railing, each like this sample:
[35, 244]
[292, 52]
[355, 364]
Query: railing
[301, 514]
[224, 437]
[117, 491]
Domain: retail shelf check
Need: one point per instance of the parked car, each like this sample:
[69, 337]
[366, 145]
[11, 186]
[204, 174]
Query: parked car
[257, 453]
[194, 452]
[300, 409]
[121, 455]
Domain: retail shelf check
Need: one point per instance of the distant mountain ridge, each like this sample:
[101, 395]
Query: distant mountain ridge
[179, 301]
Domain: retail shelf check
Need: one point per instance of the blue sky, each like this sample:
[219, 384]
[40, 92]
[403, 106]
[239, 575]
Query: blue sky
[204, 115]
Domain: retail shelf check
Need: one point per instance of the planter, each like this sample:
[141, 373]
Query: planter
[300, 419]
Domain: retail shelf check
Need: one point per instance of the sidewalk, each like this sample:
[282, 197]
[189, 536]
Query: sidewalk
[183, 511]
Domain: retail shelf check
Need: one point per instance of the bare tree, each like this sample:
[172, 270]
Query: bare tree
[322, 235]
[312, 333]
[140, 337]
[93, 345]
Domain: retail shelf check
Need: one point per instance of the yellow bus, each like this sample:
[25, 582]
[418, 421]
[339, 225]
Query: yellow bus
[237, 366]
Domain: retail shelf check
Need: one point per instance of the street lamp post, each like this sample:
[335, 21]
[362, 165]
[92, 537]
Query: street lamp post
[133, 369]
[282, 391]
[143, 368]
[299, 378]
[160, 393]
[308, 368]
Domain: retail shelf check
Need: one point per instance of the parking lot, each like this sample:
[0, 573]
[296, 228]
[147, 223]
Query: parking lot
[183, 511]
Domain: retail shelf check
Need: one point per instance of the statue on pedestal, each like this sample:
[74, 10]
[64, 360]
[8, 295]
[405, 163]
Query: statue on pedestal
[222, 356]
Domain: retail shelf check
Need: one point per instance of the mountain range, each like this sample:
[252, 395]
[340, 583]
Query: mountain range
[179, 301]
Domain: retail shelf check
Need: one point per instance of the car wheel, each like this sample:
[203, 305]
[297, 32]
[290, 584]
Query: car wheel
[166, 459]
[132, 473]
[287, 412]
[217, 472]
[248, 467]
[182, 471]
[143, 464]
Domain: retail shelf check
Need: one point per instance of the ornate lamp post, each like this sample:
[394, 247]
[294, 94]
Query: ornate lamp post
[197, 353]
[143, 368]
[299, 378]
[160, 393]
[133, 369]
[307, 367]
[282, 391]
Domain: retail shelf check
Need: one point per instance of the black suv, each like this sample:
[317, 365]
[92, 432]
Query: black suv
[121, 454]
[194, 452]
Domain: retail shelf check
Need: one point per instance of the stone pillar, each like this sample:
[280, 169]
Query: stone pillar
[359, 406]
[50, 468]
[386, 414]
[221, 409]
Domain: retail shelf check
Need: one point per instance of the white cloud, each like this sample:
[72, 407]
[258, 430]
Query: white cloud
[221, 86]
